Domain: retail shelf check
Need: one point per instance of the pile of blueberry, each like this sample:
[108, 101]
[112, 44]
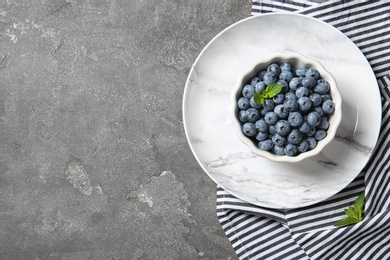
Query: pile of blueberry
[293, 121]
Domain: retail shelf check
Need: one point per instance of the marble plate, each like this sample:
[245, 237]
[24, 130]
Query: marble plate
[229, 162]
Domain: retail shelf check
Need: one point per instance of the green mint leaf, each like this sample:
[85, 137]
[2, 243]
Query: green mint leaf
[359, 205]
[351, 212]
[346, 222]
[272, 90]
[258, 98]
[355, 213]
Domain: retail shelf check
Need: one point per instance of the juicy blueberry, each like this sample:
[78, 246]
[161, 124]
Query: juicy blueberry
[254, 81]
[279, 140]
[281, 112]
[261, 125]
[269, 78]
[253, 115]
[322, 86]
[301, 71]
[295, 137]
[249, 129]
[308, 82]
[314, 119]
[320, 134]
[242, 116]
[303, 146]
[295, 119]
[243, 103]
[290, 149]
[261, 136]
[282, 127]
[302, 92]
[295, 83]
[260, 86]
[274, 69]
[304, 104]
[266, 145]
[271, 118]
[312, 143]
[328, 106]
[248, 91]
[312, 72]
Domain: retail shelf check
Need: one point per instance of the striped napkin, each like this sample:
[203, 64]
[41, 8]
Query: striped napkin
[309, 232]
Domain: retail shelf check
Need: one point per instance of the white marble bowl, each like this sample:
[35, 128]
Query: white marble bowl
[296, 60]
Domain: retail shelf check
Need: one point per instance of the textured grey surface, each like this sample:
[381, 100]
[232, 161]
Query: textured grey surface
[94, 163]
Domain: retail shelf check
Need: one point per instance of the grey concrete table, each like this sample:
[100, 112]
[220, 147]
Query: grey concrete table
[94, 163]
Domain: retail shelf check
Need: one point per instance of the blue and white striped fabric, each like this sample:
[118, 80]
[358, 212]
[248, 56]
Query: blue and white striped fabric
[308, 233]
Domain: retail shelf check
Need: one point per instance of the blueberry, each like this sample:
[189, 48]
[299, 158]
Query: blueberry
[254, 81]
[281, 112]
[314, 119]
[243, 103]
[249, 129]
[312, 72]
[282, 127]
[260, 86]
[261, 125]
[304, 104]
[271, 118]
[284, 84]
[286, 75]
[324, 124]
[263, 111]
[274, 69]
[285, 66]
[295, 83]
[279, 140]
[320, 134]
[269, 104]
[290, 95]
[253, 115]
[322, 86]
[316, 99]
[305, 127]
[312, 143]
[261, 136]
[243, 116]
[278, 99]
[325, 97]
[261, 74]
[279, 150]
[319, 110]
[294, 137]
[301, 71]
[302, 92]
[303, 146]
[295, 119]
[272, 129]
[248, 91]
[269, 78]
[290, 104]
[253, 104]
[266, 145]
[328, 106]
[308, 82]
[290, 149]
[311, 131]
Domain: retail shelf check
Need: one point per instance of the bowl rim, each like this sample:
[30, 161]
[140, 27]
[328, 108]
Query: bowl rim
[300, 59]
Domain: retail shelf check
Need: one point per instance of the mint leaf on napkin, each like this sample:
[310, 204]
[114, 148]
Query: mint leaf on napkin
[354, 213]
[269, 92]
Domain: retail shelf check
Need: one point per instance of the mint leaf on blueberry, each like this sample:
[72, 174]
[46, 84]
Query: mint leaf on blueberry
[271, 91]
[354, 213]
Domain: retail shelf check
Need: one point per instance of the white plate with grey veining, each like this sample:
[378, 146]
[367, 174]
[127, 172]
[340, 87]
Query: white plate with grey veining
[229, 162]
